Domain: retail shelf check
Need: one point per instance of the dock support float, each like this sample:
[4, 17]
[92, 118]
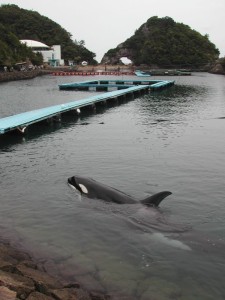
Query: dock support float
[56, 118]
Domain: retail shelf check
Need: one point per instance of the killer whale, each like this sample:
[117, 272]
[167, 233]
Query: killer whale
[96, 190]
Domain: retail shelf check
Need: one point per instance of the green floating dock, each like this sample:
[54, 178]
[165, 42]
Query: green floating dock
[20, 122]
[106, 85]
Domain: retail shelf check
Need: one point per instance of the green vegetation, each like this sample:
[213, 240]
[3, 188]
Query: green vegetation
[12, 51]
[17, 23]
[165, 43]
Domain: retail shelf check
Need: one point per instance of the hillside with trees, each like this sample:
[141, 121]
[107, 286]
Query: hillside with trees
[163, 42]
[17, 23]
[12, 51]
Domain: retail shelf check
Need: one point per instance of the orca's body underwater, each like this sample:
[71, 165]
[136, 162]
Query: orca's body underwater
[95, 190]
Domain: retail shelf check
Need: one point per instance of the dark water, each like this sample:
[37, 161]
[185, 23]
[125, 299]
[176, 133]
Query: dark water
[172, 140]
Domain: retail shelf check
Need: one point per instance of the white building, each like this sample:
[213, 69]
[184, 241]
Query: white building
[51, 55]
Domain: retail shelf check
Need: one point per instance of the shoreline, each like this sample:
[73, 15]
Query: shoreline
[22, 277]
[217, 69]
[21, 75]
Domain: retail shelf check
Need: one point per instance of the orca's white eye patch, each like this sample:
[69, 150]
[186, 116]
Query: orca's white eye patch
[83, 188]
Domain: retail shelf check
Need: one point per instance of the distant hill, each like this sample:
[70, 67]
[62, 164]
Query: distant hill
[163, 42]
[27, 24]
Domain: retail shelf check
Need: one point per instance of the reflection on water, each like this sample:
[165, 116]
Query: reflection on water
[171, 140]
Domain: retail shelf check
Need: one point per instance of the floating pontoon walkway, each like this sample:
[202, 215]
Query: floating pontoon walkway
[20, 122]
[105, 85]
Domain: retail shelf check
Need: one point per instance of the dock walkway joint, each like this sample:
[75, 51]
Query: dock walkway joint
[25, 119]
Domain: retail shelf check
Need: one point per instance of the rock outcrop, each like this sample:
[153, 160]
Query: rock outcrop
[218, 68]
[122, 52]
[21, 278]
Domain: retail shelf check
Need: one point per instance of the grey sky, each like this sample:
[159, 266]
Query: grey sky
[104, 24]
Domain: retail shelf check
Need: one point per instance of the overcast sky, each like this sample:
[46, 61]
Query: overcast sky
[103, 24]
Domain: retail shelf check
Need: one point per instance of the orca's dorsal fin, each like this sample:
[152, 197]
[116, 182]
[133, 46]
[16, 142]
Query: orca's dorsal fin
[155, 199]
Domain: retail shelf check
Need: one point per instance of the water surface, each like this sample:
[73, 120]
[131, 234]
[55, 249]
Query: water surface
[170, 140]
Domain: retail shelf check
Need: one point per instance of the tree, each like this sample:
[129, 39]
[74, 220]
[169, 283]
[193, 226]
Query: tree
[25, 24]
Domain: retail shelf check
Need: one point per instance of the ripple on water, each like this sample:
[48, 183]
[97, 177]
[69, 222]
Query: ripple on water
[162, 141]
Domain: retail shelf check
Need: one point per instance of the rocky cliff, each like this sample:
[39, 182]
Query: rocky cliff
[165, 43]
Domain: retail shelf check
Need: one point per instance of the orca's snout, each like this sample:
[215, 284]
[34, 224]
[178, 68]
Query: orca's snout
[73, 183]
[69, 180]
